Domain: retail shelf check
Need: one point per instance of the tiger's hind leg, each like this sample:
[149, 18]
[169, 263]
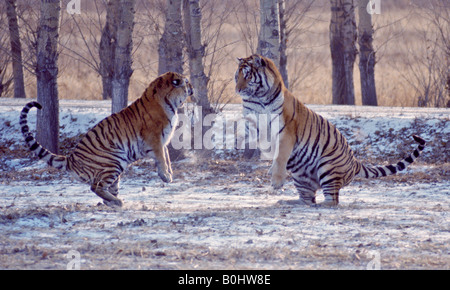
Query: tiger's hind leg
[307, 187]
[331, 198]
[331, 193]
[102, 190]
[107, 187]
[306, 198]
[331, 181]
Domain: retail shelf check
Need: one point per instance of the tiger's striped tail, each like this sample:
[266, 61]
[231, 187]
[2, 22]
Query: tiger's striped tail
[374, 172]
[57, 161]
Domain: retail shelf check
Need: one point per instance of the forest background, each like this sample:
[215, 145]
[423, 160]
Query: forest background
[409, 58]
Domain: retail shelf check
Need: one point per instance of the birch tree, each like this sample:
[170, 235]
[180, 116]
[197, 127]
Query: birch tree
[196, 53]
[107, 47]
[367, 58]
[6, 76]
[171, 43]
[123, 60]
[283, 42]
[170, 52]
[269, 38]
[343, 50]
[47, 73]
[16, 49]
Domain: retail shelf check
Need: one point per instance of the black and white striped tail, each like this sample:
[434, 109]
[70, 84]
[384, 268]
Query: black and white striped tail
[373, 172]
[53, 160]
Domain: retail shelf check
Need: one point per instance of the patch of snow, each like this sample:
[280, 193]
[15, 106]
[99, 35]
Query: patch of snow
[208, 220]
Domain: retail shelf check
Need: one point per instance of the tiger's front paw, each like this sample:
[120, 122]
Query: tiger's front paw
[165, 176]
[278, 181]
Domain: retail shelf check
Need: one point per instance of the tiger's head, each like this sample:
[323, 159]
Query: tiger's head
[256, 77]
[171, 89]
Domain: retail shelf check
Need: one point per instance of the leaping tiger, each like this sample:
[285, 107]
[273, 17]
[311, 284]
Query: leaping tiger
[315, 152]
[142, 129]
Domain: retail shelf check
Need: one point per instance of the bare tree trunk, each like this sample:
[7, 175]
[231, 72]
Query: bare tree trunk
[107, 48]
[171, 43]
[343, 50]
[199, 80]
[46, 74]
[367, 58]
[269, 38]
[16, 49]
[170, 51]
[196, 52]
[123, 61]
[283, 42]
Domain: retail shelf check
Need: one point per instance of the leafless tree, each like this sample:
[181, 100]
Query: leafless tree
[269, 34]
[247, 19]
[28, 14]
[111, 55]
[16, 49]
[293, 14]
[283, 41]
[367, 59]
[343, 50]
[47, 73]
[107, 47]
[122, 58]
[196, 53]
[171, 44]
[438, 13]
[215, 16]
[6, 76]
[428, 62]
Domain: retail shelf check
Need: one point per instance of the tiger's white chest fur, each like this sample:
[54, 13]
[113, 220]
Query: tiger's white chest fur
[142, 149]
[169, 129]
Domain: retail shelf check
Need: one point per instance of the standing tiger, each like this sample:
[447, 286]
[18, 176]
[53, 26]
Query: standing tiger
[315, 152]
[142, 129]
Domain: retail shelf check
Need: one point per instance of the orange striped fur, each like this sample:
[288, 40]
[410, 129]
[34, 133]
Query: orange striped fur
[142, 129]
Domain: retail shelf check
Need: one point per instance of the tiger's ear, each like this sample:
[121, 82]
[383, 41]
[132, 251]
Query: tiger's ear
[259, 61]
[240, 60]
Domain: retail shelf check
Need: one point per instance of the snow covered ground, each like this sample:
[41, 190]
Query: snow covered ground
[220, 213]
